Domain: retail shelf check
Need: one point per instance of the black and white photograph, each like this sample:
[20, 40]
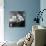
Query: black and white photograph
[17, 19]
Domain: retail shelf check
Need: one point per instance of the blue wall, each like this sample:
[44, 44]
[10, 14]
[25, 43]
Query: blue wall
[30, 7]
[43, 6]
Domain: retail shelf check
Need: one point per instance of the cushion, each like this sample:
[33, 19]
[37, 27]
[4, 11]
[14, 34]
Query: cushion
[20, 42]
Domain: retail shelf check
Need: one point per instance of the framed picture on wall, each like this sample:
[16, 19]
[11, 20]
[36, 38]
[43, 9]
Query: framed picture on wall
[17, 19]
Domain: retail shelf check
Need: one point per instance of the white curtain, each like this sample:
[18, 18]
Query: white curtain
[1, 21]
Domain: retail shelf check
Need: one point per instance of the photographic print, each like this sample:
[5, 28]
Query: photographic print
[17, 19]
